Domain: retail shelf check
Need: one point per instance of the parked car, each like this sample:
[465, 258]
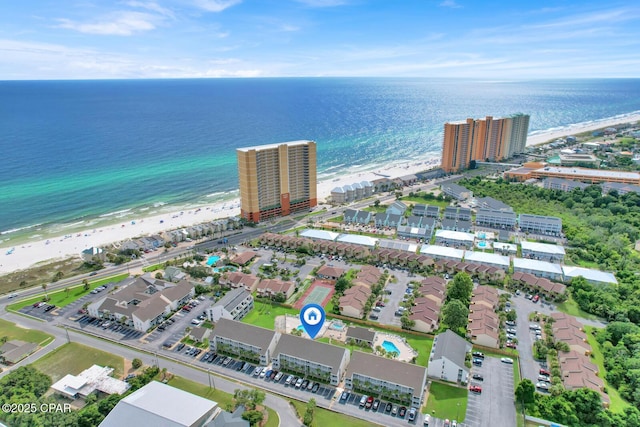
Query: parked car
[265, 373]
[507, 360]
[257, 371]
[478, 377]
[477, 361]
[369, 402]
[363, 400]
[279, 376]
[402, 412]
[544, 378]
[412, 414]
[511, 345]
[510, 323]
[376, 404]
[394, 410]
[542, 386]
[536, 298]
[344, 396]
[388, 408]
[304, 384]
[475, 389]
[478, 354]
[427, 420]
[299, 382]
[544, 372]
[288, 380]
[310, 385]
[512, 331]
[315, 387]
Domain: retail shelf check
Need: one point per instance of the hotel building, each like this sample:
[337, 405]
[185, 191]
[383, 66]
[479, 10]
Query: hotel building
[277, 179]
[483, 139]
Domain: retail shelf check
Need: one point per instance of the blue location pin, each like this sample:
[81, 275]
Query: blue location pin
[312, 319]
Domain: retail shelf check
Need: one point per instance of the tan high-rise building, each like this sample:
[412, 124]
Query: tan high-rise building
[277, 179]
[483, 139]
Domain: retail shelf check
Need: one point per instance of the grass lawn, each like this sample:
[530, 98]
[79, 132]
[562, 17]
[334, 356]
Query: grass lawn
[617, 403]
[350, 347]
[419, 200]
[571, 307]
[447, 401]
[74, 358]
[62, 298]
[421, 344]
[223, 399]
[15, 332]
[324, 417]
[264, 314]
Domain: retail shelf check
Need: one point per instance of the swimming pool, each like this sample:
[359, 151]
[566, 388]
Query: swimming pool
[482, 244]
[482, 235]
[225, 268]
[337, 326]
[390, 347]
[212, 260]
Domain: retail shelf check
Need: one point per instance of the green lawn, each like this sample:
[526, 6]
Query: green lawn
[447, 401]
[62, 298]
[618, 404]
[224, 399]
[421, 344]
[15, 332]
[419, 200]
[323, 417]
[571, 307]
[74, 358]
[350, 347]
[264, 315]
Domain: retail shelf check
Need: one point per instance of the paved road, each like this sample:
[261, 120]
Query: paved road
[495, 405]
[280, 405]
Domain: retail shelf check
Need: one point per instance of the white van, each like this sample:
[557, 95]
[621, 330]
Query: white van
[427, 419]
[363, 400]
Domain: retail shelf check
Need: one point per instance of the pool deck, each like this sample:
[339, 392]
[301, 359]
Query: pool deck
[406, 351]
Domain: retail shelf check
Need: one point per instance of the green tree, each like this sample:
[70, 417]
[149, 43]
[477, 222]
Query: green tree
[85, 285]
[254, 417]
[59, 275]
[342, 284]
[455, 314]
[460, 288]
[525, 392]
[136, 363]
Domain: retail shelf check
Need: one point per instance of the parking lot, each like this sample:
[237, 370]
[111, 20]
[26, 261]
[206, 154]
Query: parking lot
[496, 402]
[109, 329]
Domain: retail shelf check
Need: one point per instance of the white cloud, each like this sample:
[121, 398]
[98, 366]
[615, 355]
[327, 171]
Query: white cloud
[216, 5]
[152, 6]
[450, 3]
[121, 23]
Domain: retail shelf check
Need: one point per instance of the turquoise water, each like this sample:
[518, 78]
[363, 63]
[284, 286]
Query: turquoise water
[390, 347]
[482, 244]
[337, 326]
[482, 235]
[300, 328]
[212, 260]
[555, 160]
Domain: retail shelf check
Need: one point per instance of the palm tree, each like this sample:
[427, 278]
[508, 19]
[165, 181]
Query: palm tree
[44, 288]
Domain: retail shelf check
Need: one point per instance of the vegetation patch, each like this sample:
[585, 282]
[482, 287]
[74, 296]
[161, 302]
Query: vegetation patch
[446, 401]
[73, 358]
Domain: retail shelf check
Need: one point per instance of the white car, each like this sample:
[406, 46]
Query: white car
[542, 386]
[507, 360]
[511, 331]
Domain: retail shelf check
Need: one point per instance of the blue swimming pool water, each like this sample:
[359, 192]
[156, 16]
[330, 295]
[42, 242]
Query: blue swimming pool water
[390, 347]
[482, 235]
[337, 326]
[212, 260]
[225, 268]
[482, 244]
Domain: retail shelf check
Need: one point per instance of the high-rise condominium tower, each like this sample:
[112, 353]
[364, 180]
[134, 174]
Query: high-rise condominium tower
[277, 179]
[483, 139]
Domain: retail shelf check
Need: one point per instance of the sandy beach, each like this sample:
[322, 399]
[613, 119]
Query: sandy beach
[24, 255]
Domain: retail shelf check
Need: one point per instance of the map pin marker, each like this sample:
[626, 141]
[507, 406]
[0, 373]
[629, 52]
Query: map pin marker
[312, 319]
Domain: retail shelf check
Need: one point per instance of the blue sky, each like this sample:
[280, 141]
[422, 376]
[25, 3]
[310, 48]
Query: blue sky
[84, 39]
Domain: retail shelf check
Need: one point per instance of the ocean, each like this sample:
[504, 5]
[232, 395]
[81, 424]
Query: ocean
[82, 153]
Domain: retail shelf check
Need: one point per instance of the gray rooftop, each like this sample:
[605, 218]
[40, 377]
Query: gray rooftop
[450, 345]
[389, 370]
[540, 218]
[313, 351]
[360, 333]
[233, 298]
[158, 404]
[455, 188]
[496, 213]
[491, 203]
[244, 333]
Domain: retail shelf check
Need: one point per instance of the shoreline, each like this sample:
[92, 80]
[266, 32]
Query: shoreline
[21, 251]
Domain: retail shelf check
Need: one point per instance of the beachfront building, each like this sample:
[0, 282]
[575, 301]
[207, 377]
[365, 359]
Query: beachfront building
[485, 139]
[354, 216]
[540, 224]
[542, 251]
[447, 358]
[142, 302]
[246, 341]
[456, 191]
[495, 218]
[591, 176]
[538, 268]
[277, 179]
[236, 304]
[456, 239]
[387, 378]
[312, 359]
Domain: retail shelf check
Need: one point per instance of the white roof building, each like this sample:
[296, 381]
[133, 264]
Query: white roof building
[534, 265]
[592, 276]
[158, 404]
[400, 245]
[487, 258]
[88, 381]
[319, 234]
[542, 248]
[357, 239]
[455, 235]
[437, 252]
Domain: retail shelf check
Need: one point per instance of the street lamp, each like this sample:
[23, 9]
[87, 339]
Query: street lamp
[458, 411]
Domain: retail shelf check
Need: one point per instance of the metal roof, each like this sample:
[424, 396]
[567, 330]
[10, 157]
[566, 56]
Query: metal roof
[455, 235]
[589, 274]
[488, 258]
[542, 247]
[436, 251]
[536, 265]
[319, 234]
[357, 239]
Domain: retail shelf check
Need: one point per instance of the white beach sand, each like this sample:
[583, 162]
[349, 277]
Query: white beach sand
[28, 254]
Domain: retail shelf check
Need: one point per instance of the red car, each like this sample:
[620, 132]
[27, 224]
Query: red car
[536, 298]
[369, 402]
[511, 345]
[379, 304]
[545, 372]
[475, 389]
